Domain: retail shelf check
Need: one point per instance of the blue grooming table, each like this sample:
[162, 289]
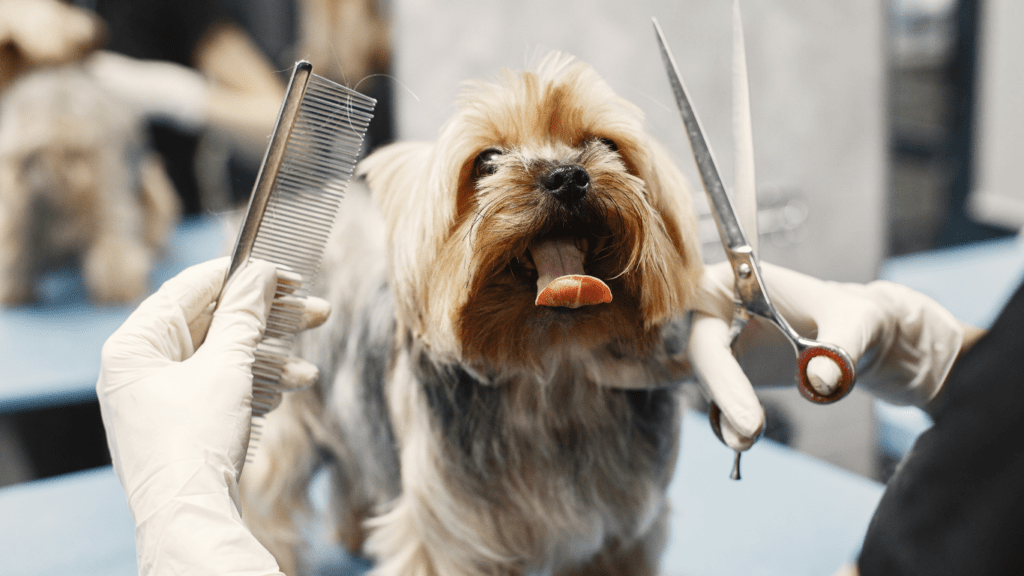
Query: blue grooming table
[791, 515]
[52, 348]
[74, 525]
[973, 282]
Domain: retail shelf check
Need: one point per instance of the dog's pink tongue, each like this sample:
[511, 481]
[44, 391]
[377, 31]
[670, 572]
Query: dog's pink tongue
[560, 277]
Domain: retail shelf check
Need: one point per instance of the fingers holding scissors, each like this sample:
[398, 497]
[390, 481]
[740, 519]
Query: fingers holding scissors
[844, 323]
[711, 355]
[719, 372]
[807, 306]
[902, 342]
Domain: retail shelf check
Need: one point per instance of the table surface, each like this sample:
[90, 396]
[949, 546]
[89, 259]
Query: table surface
[973, 281]
[52, 348]
[791, 515]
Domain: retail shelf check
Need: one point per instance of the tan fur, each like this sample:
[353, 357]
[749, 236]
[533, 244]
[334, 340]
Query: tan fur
[475, 432]
[38, 33]
[76, 182]
[348, 40]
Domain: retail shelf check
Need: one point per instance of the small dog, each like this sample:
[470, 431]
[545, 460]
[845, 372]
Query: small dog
[77, 182]
[498, 377]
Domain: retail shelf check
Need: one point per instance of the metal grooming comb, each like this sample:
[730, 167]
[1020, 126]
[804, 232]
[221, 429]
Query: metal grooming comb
[309, 162]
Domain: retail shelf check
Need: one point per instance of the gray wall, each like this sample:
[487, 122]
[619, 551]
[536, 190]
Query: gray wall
[998, 195]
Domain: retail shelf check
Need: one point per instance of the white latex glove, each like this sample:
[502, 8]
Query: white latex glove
[162, 91]
[902, 342]
[177, 416]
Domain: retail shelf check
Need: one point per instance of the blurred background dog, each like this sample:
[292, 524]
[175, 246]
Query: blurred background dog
[77, 182]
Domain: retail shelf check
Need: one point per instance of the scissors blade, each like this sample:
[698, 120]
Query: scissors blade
[744, 181]
[721, 207]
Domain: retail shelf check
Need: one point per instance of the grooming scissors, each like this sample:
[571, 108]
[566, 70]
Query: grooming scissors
[749, 291]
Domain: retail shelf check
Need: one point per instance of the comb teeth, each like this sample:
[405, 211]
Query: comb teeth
[289, 221]
[318, 162]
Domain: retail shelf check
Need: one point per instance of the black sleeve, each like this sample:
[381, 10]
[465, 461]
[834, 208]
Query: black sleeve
[956, 505]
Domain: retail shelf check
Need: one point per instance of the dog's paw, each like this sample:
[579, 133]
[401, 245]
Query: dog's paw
[116, 271]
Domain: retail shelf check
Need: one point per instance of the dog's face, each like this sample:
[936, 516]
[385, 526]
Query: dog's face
[546, 180]
[65, 151]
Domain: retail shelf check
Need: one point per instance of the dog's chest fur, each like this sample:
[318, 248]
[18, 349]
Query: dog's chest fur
[563, 427]
[552, 468]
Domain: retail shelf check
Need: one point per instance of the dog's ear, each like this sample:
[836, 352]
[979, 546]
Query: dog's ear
[396, 175]
[11, 61]
[45, 33]
[415, 185]
[671, 196]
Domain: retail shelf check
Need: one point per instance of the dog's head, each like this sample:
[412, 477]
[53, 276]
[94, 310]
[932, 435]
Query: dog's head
[544, 221]
[67, 144]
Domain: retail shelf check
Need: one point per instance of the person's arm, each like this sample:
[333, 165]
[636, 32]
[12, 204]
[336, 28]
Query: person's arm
[175, 391]
[235, 91]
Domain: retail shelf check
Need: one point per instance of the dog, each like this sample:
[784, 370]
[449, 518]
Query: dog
[499, 377]
[77, 183]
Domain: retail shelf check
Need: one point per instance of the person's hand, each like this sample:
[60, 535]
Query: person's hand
[902, 342]
[175, 388]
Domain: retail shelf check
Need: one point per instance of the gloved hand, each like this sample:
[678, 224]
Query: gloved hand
[902, 342]
[175, 400]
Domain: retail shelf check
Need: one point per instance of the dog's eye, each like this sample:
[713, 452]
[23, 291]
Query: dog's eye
[609, 143]
[484, 164]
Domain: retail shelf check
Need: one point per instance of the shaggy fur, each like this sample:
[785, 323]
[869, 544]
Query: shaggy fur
[466, 429]
[76, 182]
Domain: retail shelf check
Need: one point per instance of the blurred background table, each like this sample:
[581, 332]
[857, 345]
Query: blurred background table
[49, 417]
[52, 348]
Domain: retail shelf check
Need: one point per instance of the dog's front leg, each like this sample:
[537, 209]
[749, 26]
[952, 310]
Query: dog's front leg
[16, 250]
[397, 546]
[116, 269]
[639, 557]
[428, 530]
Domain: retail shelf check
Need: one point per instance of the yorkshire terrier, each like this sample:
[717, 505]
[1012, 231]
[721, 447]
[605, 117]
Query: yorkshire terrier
[499, 377]
[78, 183]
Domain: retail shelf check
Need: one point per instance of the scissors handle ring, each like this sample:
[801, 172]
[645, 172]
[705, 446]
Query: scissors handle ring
[810, 350]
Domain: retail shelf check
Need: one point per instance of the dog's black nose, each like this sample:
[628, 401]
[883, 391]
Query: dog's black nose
[567, 183]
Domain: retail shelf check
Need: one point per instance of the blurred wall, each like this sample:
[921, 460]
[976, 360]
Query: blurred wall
[816, 75]
[998, 197]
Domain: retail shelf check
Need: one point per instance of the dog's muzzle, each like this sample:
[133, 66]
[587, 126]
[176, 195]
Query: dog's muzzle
[561, 280]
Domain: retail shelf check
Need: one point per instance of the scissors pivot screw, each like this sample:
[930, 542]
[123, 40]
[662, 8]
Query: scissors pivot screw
[744, 271]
